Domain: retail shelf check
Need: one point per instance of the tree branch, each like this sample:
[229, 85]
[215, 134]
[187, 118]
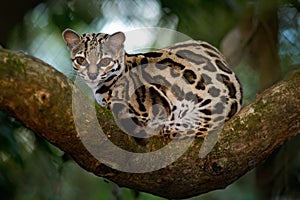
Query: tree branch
[41, 98]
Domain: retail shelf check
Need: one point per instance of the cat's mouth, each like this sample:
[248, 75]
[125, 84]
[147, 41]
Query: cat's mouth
[91, 83]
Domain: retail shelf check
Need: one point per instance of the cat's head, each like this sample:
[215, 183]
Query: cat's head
[96, 56]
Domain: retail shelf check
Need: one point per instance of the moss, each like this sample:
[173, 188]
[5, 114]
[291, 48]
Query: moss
[237, 125]
[232, 133]
[105, 113]
[13, 64]
[261, 106]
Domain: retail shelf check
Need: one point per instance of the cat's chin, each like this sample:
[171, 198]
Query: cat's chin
[92, 83]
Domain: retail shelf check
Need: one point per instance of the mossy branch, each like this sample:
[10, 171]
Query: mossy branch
[41, 98]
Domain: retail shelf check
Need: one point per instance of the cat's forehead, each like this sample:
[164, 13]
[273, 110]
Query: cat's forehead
[94, 37]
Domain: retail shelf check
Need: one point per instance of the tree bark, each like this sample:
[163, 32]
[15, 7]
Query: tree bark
[41, 98]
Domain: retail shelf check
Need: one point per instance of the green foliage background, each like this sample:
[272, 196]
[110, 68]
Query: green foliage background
[32, 169]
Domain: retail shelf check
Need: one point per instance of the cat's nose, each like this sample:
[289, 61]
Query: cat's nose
[93, 76]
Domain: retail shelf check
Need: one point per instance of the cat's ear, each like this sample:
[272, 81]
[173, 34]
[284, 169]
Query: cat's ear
[71, 38]
[116, 40]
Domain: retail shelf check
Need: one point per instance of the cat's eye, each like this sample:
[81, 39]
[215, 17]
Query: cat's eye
[105, 62]
[79, 60]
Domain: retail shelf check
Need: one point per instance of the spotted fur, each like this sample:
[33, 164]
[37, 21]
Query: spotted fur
[185, 90]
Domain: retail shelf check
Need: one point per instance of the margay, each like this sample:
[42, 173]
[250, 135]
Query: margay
[185, 90]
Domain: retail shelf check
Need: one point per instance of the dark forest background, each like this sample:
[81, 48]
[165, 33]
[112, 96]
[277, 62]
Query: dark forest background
[260, 39]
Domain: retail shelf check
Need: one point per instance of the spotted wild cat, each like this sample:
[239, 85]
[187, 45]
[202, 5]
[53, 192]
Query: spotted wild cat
[184, 90]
